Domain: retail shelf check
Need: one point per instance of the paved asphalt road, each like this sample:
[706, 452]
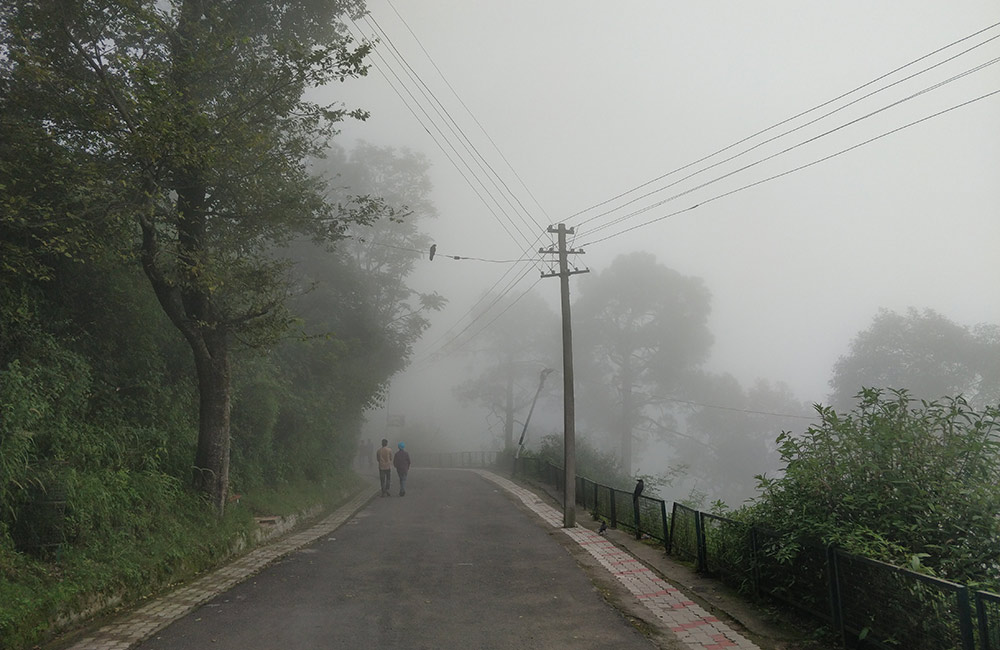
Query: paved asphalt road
[455, 563]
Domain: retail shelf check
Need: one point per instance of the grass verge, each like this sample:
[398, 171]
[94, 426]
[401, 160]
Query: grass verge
[173, 540]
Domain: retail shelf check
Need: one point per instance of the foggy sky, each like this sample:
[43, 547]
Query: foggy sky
[587, 100]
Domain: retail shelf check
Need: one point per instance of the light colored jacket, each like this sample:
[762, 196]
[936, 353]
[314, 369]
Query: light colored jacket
[384, 456]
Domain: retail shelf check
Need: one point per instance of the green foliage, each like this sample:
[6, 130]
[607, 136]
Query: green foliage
[175, 135]
[924, 353]
[896, 480]
[604, 467]
[188, 121]
[141, 531]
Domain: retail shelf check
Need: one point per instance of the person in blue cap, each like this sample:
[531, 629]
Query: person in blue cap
[402, 462]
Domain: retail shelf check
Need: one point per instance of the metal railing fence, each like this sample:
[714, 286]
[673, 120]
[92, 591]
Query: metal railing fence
[645, 516]
[988, 620]
[890, 607]
[869, 604]
[463, 459]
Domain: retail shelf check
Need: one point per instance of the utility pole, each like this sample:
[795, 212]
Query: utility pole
[569, 405]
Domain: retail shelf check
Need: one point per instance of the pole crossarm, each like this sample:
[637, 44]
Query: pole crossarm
[562, 251]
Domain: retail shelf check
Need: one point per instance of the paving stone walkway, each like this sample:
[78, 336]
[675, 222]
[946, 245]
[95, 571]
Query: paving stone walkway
[692, 624]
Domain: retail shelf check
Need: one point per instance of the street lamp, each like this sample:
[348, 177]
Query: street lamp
[520, 442]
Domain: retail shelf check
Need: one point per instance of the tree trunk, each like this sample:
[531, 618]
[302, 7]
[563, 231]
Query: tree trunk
[626, 422]
[211, 465]
[508, 424]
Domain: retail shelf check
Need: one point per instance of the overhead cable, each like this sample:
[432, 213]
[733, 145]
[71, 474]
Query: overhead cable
[795, 169]
[785, 121]
[792, 148]
[501, 187]
[386, 70]
[789, 131]
[467, 109]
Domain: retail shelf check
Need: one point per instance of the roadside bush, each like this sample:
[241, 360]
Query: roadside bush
[910, 483]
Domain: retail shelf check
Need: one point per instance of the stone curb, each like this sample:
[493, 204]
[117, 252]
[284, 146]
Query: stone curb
[692, 625]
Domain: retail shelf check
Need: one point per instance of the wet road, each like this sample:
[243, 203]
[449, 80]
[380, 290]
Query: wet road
[453, 564]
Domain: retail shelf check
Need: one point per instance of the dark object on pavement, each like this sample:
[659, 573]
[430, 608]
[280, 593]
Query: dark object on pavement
[603, 529]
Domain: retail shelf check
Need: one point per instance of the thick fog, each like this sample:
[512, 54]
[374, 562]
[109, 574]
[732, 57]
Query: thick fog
[533, 114]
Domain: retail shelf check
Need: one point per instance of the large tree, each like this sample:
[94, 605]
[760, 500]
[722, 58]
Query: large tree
[924, 353]
[508, 358]
[386, 251]
[642, 326]
[189, 117]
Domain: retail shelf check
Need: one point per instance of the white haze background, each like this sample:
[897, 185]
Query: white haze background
[587, 100]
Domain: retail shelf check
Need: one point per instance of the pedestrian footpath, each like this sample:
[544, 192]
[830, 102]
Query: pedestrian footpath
[692, 624]
[145, 621]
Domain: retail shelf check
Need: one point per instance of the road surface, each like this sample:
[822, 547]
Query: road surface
[456, 563]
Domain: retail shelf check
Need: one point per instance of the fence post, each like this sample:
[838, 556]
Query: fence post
[699, 536]
[836, 605]
[673, 527]
[965, 619]
[638, 521]
[597, 504]
[983, 622]
[663, 518]
[614, 508]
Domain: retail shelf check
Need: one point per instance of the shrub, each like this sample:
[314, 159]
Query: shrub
[910, 483]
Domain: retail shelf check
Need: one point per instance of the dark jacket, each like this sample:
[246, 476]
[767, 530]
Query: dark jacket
[402, 461]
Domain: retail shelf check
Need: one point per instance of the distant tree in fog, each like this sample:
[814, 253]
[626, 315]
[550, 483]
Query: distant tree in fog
[507, 359]
[358, 318]
[385, 252]
[926, 354]
[731, 433]
[641, 327]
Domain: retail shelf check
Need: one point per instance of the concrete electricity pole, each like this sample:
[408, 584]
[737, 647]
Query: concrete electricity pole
[569, 406]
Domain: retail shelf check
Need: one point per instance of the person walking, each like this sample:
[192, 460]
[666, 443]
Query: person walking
[384, 458]
[402, 463]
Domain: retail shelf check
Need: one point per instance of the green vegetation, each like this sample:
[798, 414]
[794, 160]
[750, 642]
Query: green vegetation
[603, 467]
[909, 483]
[189, 309]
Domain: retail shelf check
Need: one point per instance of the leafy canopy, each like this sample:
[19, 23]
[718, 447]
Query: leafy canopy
[924, 353]
[896, 480]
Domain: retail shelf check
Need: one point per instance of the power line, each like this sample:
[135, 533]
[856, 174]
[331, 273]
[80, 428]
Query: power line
[731, 408]
[467, 109]
[524, 215]
[782, 122]
[796, 146]
[429, 120]
[789, 131]
[795, 169]
[438, 349]
[443, 255]
[531, 243]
